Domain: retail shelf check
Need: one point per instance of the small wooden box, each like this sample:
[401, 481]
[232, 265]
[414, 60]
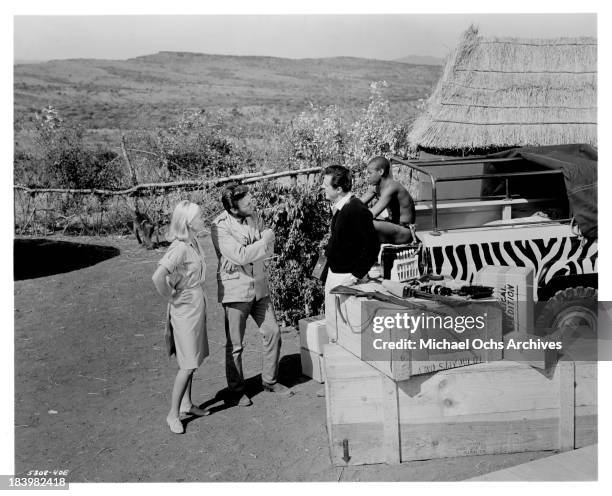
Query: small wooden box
[350, 323]
[312, 365]
[513, 288]
[488, 408]
[313, 334]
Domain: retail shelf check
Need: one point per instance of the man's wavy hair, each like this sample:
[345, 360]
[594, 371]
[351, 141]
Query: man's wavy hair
[232, 194]
[341, 177]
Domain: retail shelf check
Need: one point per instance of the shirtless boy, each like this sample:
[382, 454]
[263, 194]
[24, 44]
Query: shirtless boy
[394, 198]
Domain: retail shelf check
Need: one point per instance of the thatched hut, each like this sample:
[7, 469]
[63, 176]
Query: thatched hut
[498, 93]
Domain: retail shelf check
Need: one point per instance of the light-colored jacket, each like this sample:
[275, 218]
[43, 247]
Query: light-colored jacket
[241, 251]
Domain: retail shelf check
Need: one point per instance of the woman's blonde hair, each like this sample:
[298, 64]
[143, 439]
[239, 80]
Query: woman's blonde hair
[184, 212]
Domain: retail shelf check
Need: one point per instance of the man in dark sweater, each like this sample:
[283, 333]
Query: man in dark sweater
[353, 246]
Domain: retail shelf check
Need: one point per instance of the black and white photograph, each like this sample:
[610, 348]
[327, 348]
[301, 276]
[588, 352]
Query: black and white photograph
[271, 246]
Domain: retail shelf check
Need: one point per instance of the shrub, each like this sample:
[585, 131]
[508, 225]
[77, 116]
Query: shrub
[375, 133]
[199, 146]
[316, 137]
[63, 161]
[320, 136]
[300, 217]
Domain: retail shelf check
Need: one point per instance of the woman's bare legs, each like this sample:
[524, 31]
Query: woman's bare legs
[181, 383]
[186, 403]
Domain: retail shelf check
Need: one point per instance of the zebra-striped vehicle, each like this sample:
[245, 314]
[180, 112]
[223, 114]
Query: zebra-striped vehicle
[531, 207]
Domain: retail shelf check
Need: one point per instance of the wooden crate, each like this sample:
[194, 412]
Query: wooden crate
[487, 408]
[350, 324]
[313, 337]
[312, 365]
[313, 334]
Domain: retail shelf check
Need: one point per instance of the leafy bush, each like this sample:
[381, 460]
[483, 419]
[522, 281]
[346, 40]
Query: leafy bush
[320, 136]
[199, 146]
[375, 133]
[63, 161]
[74, 167]
[317, 137]
[300, 217]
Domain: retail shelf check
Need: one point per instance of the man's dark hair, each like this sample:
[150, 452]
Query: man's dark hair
[381, 164]
[232, 194]
[340, 177]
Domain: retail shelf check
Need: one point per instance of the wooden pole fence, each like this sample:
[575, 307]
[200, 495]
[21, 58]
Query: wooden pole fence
[247, 178]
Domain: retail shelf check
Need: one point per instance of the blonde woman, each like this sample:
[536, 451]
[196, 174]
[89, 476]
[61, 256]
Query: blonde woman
[179, 278]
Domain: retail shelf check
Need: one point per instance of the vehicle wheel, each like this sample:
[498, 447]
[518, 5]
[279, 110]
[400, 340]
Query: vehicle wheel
[571, 307]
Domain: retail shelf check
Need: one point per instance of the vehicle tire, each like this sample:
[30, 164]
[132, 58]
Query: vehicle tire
[571, 307]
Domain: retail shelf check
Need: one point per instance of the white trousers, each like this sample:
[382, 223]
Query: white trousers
[334, 280]
[331, 282]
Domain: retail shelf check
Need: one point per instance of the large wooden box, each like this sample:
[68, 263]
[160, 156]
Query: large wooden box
[350, 323]
[488, 408]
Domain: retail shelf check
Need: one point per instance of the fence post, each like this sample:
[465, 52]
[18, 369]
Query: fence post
[127, 161]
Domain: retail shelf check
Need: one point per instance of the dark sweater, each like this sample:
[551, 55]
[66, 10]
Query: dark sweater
[353, 246]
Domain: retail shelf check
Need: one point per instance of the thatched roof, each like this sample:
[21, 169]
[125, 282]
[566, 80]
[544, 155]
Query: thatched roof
[507, 92]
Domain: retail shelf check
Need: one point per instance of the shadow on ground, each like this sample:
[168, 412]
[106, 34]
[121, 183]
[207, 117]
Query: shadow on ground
[289, 374]
[43, 257]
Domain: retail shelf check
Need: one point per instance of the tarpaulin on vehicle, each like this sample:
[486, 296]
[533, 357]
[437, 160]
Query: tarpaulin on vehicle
[579, 165]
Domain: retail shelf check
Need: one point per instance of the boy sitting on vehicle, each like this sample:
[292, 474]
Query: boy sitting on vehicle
[398, 228]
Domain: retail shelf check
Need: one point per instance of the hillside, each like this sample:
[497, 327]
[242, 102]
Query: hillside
[152, 90]
[421, 60]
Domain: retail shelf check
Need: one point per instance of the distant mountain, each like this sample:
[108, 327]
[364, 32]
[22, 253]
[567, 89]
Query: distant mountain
[153, 90]
[421, 60]
[28, 61]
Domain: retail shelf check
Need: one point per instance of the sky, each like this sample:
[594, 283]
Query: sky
[379, 36]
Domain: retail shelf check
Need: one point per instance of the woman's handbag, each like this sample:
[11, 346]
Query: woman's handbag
[169, 335]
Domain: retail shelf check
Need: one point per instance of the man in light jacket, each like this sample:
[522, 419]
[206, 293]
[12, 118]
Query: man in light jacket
[242, 244]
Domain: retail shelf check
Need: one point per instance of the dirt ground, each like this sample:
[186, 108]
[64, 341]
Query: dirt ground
[92, 387]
